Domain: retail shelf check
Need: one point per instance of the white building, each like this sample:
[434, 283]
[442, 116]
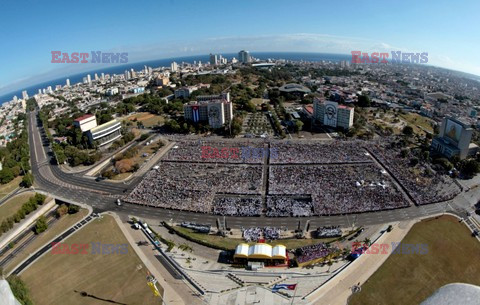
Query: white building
[89, 78]
[112, 91]
[454, 139]
[174, 67]
[86, 122]
[67, 83]
[25, 95]
[105, 133]
[331, 114]
[216, 109]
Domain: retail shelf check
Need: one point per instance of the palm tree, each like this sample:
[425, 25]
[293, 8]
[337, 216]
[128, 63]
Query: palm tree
[367, 241]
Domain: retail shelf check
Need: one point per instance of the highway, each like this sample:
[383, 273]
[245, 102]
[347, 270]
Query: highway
[101, 196]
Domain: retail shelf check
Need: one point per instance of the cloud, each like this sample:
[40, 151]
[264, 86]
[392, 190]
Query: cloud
[299, 42]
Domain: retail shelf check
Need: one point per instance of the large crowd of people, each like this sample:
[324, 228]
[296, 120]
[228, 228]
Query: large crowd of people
[422, 183]
[191, 186]
[319, 153]
[312, 252]
[338, 189]
[257, 233]
[304, 179]
[328, 231]
[238, 206]
[249, 152]
[278, 206]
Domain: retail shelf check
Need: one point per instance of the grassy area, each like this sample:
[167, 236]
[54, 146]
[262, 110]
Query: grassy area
[231, 243]
[6, 189]
[147, 119]
[416, 120]
[12, 205]
[453, 256]
[59, 226]
[121, 278]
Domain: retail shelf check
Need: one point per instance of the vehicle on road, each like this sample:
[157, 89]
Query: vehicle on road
[119, 202]
[100, 178]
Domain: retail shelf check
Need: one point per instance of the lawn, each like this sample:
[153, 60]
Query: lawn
[416, 120]
[58, 227]
[7, 188]
[147, 119]
[453, 256]
[10, 207]
[114, 278]
[231, 243]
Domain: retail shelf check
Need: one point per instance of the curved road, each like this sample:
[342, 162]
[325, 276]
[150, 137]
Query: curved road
[102, 195]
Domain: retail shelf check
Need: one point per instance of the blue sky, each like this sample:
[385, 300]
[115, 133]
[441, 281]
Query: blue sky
[30, 30]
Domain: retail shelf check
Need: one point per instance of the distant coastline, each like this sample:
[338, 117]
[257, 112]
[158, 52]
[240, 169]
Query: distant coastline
[76, 78]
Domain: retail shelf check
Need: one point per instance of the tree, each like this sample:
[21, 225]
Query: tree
[469, 167]
[27, 180]
[41, 225]
[298, 125]
[364, 101]
[124, 165]
[39, 198]
[6, 175]
[62, 210]
[407, 130]
[72, 209]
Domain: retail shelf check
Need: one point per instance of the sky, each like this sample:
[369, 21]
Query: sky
[148, 30]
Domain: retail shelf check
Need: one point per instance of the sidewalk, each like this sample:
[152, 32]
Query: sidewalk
[338, 290]
[175, 291]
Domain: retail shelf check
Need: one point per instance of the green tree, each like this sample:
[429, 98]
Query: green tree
[6, 175]
[41, 225]
[72, 209]
[27, 180]
[298, 125]
[407, 130]
[364, 101]
[39, 198]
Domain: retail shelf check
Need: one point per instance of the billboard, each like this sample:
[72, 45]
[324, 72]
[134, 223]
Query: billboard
[453, 130]
[330, 117]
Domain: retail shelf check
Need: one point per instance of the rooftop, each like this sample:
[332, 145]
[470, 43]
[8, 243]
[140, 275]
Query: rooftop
[83, 117]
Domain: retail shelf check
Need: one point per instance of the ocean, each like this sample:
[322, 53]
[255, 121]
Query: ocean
[76, 78]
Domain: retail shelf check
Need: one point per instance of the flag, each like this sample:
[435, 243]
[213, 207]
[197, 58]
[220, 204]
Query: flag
[277, 287]
[196, 115]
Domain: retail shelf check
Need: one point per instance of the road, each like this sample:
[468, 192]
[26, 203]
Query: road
[102, 195]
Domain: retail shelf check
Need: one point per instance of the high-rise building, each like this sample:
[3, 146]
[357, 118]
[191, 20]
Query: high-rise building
[213, 59]
[103, 76]
[49, 89]
[127, 75]
[25, 95]
[15, 98]
[39, 91]
[330, 113]
[96, 77]
[89, 78]
[244, 56]
[174, 67]
[454, 139]
[216, 109]
[133, 74]
[68, 82]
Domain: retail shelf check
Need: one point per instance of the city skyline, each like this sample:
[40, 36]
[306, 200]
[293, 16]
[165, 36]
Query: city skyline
[257, 27]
